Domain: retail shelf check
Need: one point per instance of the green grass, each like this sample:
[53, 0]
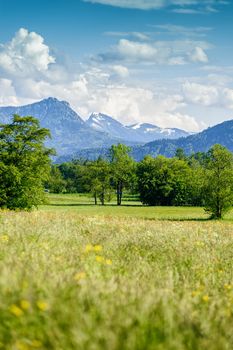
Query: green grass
[86, 277]
[84, 205]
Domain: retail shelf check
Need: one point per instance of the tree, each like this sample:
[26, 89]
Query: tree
[97, 180]
[24, 163]
[218, 188]
[122, 168]
[56, 183]
[164, 181]
[180, 154]
[73, 173]
[154, 183]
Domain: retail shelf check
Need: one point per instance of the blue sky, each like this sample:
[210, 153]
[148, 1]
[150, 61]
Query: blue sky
[167, 62]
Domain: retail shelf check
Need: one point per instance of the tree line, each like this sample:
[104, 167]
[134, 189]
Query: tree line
[26, 170]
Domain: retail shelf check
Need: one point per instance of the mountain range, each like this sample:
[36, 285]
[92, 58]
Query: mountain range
[72, 137]
[70, 133]
[201, 142]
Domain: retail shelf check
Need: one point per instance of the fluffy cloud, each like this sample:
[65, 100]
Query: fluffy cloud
[228, 97]
[30, 73]
[94, 91]
[136, 51]
[199, 55]
[120, 71]
[201, 94]
[132, 104]
[25, 53]
[208, 95]
[159, 52]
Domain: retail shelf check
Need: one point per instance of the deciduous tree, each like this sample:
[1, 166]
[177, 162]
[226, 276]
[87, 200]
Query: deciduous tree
[24, 163]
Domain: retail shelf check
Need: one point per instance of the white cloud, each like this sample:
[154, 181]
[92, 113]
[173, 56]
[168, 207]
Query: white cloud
[199, 55]
[135, 4]
[25, 53]
[135, 50]
[208, 95]
[136, 35]
[228, 97]
[159, 52]
[106, 88]
[172, 29]
[120, 71]
[201, 94]
[158, 4]
[9, 95]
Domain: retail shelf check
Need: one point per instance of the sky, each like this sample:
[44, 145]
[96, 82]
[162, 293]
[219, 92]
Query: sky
[165, 62]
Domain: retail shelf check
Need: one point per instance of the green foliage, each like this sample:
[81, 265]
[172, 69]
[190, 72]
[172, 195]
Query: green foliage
[73, 174]
[122, 168]
[56, 183]
[24, 163]
[180, 154]
[163, 181]
[178, 181]
[218, 189]
[97, 180]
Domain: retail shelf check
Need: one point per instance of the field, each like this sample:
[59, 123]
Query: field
[77, 276]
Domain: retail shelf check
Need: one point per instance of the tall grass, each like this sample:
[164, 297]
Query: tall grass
[95, 282]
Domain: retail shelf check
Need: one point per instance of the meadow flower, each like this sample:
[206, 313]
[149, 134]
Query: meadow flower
[98, 248]
[205, 298]
[42, 305]
[15, 310]
[99, 258]
[25, 305]
[108, 262]
[88, 248]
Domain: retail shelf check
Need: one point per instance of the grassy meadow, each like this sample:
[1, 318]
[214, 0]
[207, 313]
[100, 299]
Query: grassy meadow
[77, 276]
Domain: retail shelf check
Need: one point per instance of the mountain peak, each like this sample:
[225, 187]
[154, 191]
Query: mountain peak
[54, 100]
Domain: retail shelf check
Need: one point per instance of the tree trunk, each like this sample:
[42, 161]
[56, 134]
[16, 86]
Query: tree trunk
[119, 192]
[95, 197]
[102, 198]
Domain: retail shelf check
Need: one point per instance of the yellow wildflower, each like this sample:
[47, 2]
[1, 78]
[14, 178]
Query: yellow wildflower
[98, 248]
[25, 305]
[42, 305]
[195, 293]
[108, 261]
[88, 248]
[80, 276]
[15, 310]
[99, 258]
[206, 298]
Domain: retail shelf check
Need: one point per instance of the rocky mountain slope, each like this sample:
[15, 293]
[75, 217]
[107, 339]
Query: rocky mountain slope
[70, 133]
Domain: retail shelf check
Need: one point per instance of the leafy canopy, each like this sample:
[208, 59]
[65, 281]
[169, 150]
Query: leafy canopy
[24, 163]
